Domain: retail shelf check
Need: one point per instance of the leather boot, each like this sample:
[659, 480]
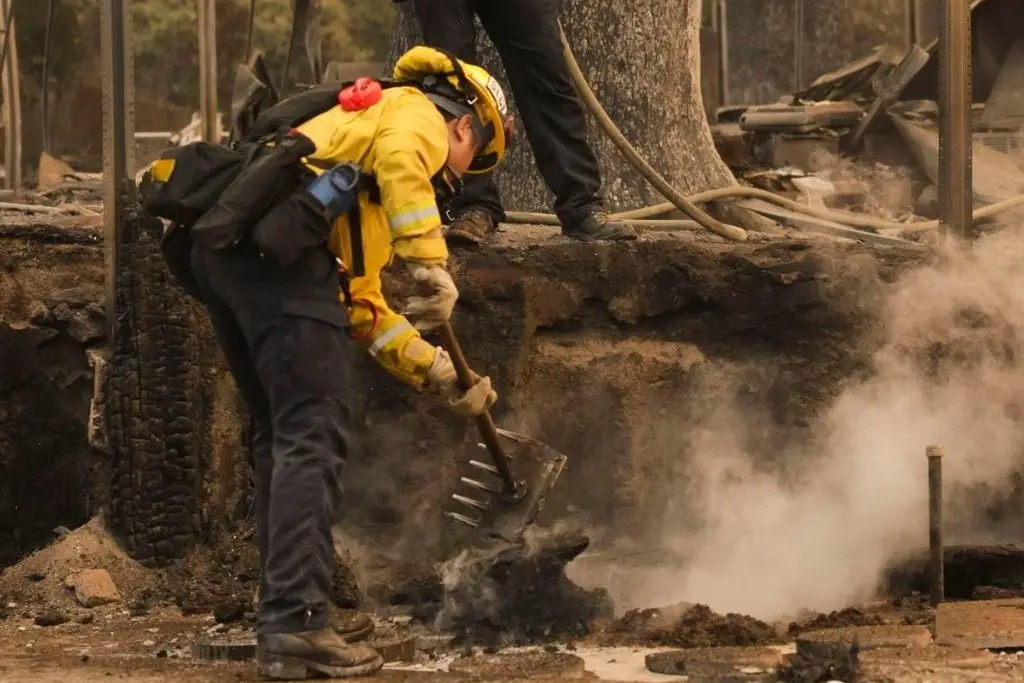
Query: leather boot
[471, 228]
[350, 624]
[307, 654]
[599, 226]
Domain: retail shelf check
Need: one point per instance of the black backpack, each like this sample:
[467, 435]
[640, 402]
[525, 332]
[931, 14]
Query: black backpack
[186, 181]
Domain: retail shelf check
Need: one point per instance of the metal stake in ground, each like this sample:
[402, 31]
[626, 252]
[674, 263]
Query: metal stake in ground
[118, 133]
[936, 570]
[209, 125]
[955, 99]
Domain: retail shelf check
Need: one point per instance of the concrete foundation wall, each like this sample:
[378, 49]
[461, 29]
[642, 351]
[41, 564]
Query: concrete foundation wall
[606, 352]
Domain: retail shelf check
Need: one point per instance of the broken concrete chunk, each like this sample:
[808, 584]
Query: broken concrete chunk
[932, 655]
[834, 642]
[93, 587]
[988, 624]
[718, 663]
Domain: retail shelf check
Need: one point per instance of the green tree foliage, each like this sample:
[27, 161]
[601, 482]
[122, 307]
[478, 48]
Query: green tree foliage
[166, 55]
[164, 36]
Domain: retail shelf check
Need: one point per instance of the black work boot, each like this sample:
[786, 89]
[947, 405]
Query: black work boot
[351, 625]
[470, 228]
[307, 654]
[599, 226]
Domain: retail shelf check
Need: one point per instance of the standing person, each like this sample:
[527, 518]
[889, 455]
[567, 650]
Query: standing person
[525, 33]
[369, 169]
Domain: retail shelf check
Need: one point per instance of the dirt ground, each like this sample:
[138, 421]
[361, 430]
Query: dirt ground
[702, 295]
[155, 648]
[148, 634]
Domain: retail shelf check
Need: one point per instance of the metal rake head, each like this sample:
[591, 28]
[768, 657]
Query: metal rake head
[484, 503]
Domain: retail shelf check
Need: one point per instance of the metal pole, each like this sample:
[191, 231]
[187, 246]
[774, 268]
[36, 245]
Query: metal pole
[955, 99]
[118, 134]
[206, 10]
[798, 45]
[910, 21]
[936, 568]
[11, 86]
[722, 21]
[918, 20]
[44, 96]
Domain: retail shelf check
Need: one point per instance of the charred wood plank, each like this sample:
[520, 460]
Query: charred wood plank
[51, 232]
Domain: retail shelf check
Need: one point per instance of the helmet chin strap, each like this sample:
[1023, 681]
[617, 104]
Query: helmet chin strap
[447, 184]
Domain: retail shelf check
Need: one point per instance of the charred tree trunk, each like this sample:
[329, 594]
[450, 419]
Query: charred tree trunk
[642, 58]
[159, 404]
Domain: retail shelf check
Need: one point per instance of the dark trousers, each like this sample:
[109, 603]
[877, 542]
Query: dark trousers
[283, 334]
[525, 33]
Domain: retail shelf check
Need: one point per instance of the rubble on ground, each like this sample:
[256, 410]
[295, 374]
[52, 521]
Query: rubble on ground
[851, 616]
[689, 626]
[503, 595]
[84, 569]
[880, 112]
[92, 587]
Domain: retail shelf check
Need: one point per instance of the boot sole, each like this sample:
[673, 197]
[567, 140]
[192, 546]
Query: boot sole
[284, 668]
[459, 238]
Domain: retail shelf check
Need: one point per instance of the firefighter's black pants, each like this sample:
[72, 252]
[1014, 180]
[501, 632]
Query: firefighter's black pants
[283, 334]
[525, 33]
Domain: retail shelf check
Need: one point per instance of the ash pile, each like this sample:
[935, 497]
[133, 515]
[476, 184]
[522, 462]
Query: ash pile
[504, 595]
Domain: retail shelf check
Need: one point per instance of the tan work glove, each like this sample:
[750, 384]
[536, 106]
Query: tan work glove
[439, 294]
[443, 383]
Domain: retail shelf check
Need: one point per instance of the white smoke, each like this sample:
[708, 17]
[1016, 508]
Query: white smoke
[820, 535]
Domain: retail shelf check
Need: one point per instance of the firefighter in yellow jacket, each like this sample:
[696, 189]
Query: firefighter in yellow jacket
[373, 165]
[408, 146]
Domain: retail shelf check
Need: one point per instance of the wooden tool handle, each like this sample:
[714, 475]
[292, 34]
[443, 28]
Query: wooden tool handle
[484, 423]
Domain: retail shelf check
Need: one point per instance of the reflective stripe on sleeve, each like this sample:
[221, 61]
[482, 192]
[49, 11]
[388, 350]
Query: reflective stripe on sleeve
[388, 337]
[414, 218]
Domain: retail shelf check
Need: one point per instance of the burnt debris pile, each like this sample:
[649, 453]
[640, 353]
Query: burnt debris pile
[508, 594]
[688, 626]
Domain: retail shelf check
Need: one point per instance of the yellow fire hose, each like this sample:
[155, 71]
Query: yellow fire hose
[688, 205]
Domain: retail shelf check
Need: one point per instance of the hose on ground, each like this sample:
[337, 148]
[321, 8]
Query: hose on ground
[840, 217]
[639, 163]
[688, 204]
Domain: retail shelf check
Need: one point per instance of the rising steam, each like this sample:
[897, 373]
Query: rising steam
[949, 372]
